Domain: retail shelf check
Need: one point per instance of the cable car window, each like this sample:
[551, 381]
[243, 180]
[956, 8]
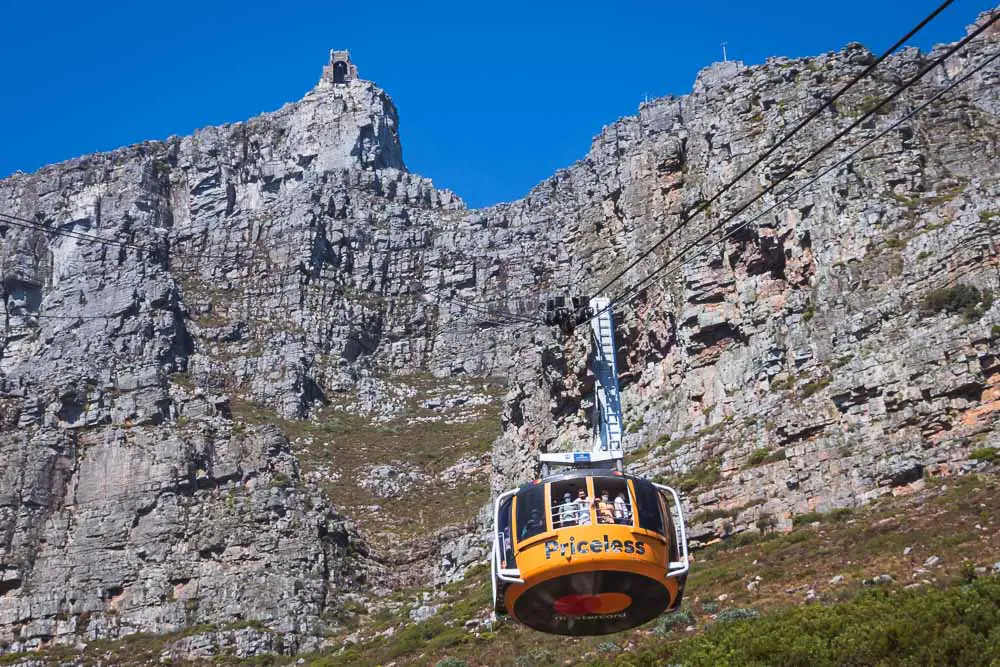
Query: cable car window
[504, 532]
[613, 503]
[565, 508]
[531, 512]
[647, 501]
[668, 521]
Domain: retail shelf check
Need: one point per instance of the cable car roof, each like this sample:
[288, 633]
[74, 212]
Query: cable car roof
[578, 474]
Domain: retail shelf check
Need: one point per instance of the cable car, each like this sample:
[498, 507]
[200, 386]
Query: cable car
[591, 550]
[573, 569]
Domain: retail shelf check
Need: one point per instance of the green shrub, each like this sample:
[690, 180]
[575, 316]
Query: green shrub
[766, 522]
[757, 457]
[668, 623]
[782, 385]
[995, 331]
[280, 480]
[987, 454]
[843, 361]
[874, 103]
[448, 638]
[450, 662]
[702, 475]
[633, 659]
[817, 385]
[908, 202]
[608, 647]
[740, 540]
[777, 455]
[537, 656]
[834, 515]
[737, 614]
[712, 515]
[840, 514]
[895, 242]
[958, 626]
[962, 299]
[761, 456]
[414, 637]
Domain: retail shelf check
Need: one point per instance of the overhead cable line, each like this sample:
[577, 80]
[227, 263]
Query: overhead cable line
[636, 289]
[16, 221]
[497, 317]
[704, 205]
[24, 223]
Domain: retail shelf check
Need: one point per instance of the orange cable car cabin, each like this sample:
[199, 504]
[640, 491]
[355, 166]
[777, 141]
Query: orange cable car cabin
[567, 562]
[592, 550]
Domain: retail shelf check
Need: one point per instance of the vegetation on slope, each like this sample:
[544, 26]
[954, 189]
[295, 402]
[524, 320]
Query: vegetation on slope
[339, 448]
[957, 626]
[834, 574]
[906, 581]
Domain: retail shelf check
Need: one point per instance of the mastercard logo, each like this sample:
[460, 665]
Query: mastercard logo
[586, 605]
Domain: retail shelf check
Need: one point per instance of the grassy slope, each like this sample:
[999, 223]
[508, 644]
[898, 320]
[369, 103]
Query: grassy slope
[343, 446]
[946, 613]
[797, 594]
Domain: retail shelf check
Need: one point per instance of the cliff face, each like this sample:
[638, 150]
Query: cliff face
[817, 358]
[280, 319]
[820, 356]
[132, 501]
[202, 308]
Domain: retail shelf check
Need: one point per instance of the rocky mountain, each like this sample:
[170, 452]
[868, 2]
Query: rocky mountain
[842, 346]
[241, 371]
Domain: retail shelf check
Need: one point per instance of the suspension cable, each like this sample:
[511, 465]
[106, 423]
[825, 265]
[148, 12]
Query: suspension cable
[704, 205]
[630, 292]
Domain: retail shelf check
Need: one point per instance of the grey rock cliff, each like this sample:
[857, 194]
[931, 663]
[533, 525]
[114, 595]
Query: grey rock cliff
[795, 366]
[160, 393]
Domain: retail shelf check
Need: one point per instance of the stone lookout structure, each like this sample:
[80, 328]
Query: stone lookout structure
[340, 69]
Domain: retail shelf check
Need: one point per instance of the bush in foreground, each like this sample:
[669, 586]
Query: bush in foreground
[959, 626]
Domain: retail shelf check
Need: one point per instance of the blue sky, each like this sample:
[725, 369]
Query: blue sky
[493, 97]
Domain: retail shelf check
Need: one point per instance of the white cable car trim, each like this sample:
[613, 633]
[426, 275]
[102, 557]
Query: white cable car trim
[677, 568]
[510, 575]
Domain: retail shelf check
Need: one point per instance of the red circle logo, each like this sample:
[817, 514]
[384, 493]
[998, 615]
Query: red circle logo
[585, 605]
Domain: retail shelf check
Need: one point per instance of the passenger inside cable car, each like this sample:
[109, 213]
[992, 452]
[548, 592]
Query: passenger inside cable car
[534, 525]
[564, 513]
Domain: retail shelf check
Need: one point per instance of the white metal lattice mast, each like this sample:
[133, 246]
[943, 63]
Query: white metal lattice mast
[607, 448]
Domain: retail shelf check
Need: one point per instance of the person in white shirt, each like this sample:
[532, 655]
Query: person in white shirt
[583, 504]
[623, 514]
[567, 511]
